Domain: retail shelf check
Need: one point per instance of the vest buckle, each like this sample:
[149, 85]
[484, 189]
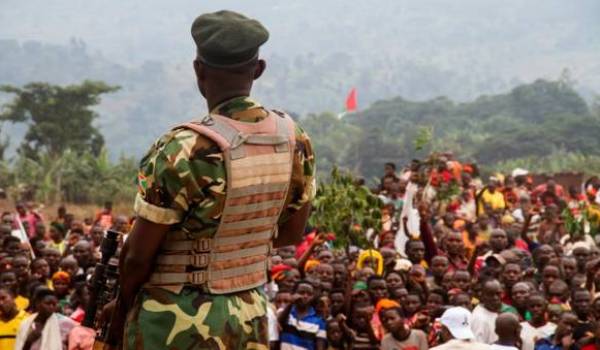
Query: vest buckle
[207, 120]
[202, 245]
[199, 260]
[198, 277]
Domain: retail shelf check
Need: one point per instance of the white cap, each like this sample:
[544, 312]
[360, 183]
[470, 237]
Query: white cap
[458, 322]
[519, 172]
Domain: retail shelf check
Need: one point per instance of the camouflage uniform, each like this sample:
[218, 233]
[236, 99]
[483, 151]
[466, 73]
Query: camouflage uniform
[181, 182]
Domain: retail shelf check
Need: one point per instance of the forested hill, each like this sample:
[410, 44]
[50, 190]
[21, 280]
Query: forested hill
[316, 53]
[536, 124]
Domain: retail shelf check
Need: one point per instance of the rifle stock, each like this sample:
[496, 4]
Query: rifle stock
[104, 288]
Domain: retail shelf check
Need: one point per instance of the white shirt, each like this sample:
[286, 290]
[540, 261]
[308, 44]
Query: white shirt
[502, 347]
[530, 334]
[457, 344]
[273, 326]
[483, 325]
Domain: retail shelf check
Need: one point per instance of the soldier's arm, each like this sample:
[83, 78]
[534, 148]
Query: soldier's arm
[300, 194]
[292, 230]
[137, 256]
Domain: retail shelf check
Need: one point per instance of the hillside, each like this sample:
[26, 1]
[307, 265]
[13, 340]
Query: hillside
[544, 119]
[388, 48]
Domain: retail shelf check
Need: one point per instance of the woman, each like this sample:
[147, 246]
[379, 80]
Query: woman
[45, 329]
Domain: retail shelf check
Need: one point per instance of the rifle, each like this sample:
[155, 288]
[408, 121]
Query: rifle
[104, 288]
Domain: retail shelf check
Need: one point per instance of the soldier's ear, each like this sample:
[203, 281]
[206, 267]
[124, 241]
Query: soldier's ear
[200, 71]
[261, 65]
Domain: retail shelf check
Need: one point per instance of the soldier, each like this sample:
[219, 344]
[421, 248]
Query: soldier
[213, 195]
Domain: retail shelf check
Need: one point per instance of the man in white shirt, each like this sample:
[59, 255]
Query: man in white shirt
[508, 330]
[485, 314]
[456, 331]
[537, 327]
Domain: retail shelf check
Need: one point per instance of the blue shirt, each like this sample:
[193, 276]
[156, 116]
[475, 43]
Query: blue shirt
[302, 333]
[547, 344]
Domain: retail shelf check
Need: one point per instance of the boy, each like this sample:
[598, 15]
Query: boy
[537, 327]
[399, 336]
[301, 327]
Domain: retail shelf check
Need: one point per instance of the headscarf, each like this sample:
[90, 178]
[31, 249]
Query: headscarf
[61, 276]
[311, 264]
[373, 255]
[384, 304]
[280, 271]
[359, 285]
[58, 227]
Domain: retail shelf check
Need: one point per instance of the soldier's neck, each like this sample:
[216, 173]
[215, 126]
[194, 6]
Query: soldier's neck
[217, 99]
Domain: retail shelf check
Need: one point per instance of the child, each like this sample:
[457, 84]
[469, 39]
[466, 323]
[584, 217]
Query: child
[301, 327]
[399, 336]
[336, 337]
[361, 332]
[538, 326]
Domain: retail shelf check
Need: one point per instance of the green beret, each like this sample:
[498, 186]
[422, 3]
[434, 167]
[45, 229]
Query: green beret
[227, 39]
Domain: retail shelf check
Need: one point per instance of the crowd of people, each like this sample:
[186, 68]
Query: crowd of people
[458, 264]
[45, 268]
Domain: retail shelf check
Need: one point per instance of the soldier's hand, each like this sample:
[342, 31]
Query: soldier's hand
[107, 311]
[114, 314]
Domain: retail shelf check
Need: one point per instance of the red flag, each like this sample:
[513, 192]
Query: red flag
[351, 103]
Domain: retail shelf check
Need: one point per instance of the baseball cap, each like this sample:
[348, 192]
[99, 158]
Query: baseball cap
[458, 322]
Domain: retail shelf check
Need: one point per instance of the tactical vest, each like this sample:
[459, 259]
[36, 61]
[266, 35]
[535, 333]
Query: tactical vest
[258, 163]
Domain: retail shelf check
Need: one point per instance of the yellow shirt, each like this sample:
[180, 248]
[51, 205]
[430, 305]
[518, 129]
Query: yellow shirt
[494, 200]
[61, 246]
[8, 330]
[22, 302]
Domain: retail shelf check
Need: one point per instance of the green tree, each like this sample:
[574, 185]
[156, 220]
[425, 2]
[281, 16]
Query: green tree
[60, 117]
[346, 209]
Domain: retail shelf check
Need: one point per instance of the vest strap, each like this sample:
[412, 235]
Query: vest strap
[284, 131]
[258, 236]
[248, 224]
[243, 253]
[168, 278]
[252, 207]
[238, 271]
[198, 245]
[256, 189]
[194, 245]
[196, 260]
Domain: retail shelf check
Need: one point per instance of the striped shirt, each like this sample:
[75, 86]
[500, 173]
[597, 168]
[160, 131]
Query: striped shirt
[302, 333]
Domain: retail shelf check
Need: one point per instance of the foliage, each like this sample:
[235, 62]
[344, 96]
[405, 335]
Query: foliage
[545, 125]
[59, 118]
[579, 225]
[62, 157]
[555, 162]
[72, 177]
[346, 209]
[423, 138]
[331, 136]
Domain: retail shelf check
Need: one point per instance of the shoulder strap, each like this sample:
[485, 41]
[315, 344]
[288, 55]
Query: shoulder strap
[222, 133]
[285, 126]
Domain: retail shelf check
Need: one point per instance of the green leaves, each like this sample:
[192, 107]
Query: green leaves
[60, 117]
[424, 136]
[530, 121]
[346, 209]
[72, 177]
